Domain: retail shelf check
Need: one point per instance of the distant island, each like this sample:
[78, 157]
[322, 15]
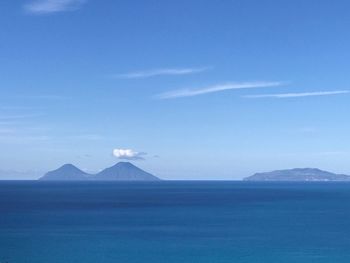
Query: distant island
[298, 174]
[126, 171]
[122, 171]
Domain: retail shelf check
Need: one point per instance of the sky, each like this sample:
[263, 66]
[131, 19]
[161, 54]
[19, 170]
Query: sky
[193, 89]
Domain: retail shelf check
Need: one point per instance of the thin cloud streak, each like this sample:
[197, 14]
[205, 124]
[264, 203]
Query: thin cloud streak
[31, 97]
[23, 139]
[217, 88]
[160, 72]
[299, 95]
[52, 6]
[46, 97]
[8, 108]
[6, 131]
[22, 116]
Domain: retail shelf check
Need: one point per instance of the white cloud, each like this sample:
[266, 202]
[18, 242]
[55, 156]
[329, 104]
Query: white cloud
[297, 95]
[53, 6]
[128, 154]
[160, 72]
[216, 88]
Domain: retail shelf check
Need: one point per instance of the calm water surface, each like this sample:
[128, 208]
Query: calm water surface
[174, 222]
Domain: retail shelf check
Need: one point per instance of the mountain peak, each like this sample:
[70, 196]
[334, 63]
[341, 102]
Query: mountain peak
[68, 166]
[125, 164]
[67, 172]
[122, 171]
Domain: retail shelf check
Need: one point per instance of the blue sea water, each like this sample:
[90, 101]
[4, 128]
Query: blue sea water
[174, 222]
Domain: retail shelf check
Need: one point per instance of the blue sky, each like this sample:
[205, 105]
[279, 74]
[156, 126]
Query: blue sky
[184, 89]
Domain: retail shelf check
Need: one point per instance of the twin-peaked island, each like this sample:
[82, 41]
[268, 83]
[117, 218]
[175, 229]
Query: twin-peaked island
[123, 171]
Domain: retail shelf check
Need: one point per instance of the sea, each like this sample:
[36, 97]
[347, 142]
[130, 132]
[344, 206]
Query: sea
[174, 222]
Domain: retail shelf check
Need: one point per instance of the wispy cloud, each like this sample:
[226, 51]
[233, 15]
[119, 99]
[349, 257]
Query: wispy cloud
[301, 94]
[25, 97]
[306, 130]
[45, 97]
[52, 6]
[87, 137]
[22, 116]
[128, 154]
[160, 72]
[216, 88]
[23, 139]
[328, 153]
[9, 108]
[6, 131]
